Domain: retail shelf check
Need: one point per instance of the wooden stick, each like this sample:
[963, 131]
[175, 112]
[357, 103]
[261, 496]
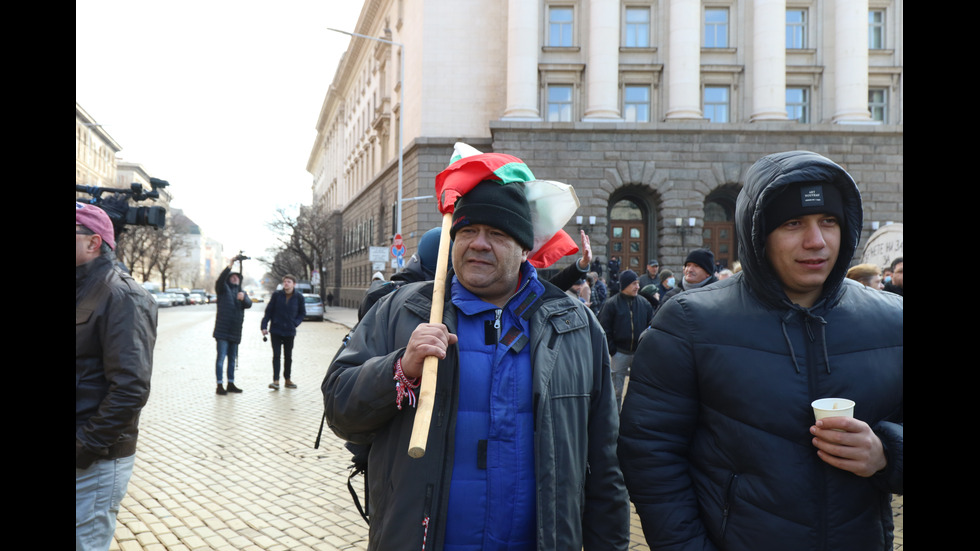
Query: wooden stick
[430, 369]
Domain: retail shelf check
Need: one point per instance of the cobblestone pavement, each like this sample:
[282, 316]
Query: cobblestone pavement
[240, 471]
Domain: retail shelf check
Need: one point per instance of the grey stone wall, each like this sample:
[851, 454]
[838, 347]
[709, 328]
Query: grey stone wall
[675, 166]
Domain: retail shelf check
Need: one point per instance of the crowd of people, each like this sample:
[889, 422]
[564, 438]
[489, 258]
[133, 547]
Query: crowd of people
[558, 402]
[534, 443]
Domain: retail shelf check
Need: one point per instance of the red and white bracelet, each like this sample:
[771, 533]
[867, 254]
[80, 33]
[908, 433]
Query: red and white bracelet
[404, 386]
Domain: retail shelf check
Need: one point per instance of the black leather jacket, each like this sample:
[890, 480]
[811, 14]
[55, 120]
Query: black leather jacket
[115, 330]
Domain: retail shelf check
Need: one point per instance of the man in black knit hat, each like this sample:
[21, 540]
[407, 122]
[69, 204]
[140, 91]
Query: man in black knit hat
[624, 317]
[699, 271]
[521, 451]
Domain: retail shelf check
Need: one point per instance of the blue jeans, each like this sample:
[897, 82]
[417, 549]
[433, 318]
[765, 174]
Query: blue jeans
[98, 491]
[229, 349]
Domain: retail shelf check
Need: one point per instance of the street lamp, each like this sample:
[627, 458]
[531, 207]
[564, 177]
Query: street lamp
[401, 112]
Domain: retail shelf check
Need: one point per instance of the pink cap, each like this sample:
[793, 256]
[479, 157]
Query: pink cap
[96, 220]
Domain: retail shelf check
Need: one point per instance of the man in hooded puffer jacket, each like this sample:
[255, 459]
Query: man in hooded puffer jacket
[718, 443]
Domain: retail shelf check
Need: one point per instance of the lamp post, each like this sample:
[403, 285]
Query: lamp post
[401, 116]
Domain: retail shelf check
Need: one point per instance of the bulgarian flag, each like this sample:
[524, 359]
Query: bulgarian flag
[552, 203]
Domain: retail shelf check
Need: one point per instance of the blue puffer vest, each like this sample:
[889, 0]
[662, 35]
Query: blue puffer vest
[492, 494]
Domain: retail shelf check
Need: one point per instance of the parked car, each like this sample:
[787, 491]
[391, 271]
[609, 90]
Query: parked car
[198, 298]
[163, 299]
[314, 307]
[182, 297]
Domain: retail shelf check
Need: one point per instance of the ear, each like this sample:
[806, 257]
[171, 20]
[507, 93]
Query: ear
[95, 243]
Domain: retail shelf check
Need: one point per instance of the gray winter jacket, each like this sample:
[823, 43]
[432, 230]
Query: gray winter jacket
[581, 497]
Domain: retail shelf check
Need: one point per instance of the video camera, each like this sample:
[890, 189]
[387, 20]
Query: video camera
[121, 212]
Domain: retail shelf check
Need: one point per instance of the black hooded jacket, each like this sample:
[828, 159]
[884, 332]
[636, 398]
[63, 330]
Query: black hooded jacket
[231, 311]
[714, 432]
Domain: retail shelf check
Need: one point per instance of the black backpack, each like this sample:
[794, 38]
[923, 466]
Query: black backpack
[360, 452]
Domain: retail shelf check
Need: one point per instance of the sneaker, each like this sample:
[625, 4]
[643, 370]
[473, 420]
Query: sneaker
[221, 390]
[274, 386]
[233, 388]
[290, 384]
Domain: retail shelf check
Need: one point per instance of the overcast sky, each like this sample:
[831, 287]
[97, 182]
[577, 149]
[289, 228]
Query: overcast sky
[218, 97]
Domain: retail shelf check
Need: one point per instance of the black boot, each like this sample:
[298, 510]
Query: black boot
[233, 388]
[221, 390]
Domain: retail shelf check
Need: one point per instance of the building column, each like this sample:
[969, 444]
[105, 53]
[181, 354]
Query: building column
[523, 45]
[851, 61]
[603, 61]
[684, 61]
[769, 60]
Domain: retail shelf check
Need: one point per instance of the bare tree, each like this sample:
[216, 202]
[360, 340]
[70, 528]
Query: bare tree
[304, 241]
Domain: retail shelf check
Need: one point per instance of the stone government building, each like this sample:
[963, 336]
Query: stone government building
[652, 110]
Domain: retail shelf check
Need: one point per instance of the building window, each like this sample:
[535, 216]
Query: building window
[716, 28]
[878, 104]
[798, 104]
[636, 103]
[560, 22]
[796, 37]
[716, 103]
[637, 29]
[876, 29]
[559, 103]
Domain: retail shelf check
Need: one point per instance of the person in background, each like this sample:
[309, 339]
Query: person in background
[897, 283]
[624, 317]
[868, 275]
[698, 272]
[284, 312]
[232, 303]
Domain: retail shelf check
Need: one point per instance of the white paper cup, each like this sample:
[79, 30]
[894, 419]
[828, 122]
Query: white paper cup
[833, 407]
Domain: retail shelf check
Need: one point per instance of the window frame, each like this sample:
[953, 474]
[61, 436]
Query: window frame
[570, 103]
[882, 28]
[727, 103]
[878, 106]
[550, 38]
[646, 27]
[727, 26]
[803, 29]
[647, 103]
[806, 104]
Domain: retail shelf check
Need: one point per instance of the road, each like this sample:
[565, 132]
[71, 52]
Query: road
[240, 471]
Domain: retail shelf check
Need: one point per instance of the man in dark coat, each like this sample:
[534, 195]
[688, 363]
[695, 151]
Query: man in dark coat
[283, 314]
[718, 441]
[232, 302]
[699, 271]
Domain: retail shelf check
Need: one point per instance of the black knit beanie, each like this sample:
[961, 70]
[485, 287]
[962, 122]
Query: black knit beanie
[502, 206]
[801, 199]
[704, 258]
[626, 278]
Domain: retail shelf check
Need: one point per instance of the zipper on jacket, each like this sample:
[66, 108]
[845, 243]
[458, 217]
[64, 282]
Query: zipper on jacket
[496, 322]
[426, 514]
[729, 499]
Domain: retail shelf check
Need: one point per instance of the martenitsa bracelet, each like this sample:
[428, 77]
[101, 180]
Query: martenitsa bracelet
[404, 386]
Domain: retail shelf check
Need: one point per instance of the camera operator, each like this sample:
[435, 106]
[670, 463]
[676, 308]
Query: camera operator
[115, 331]
[232, 302]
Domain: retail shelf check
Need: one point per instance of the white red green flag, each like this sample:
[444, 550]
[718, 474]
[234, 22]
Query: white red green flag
[552, 203]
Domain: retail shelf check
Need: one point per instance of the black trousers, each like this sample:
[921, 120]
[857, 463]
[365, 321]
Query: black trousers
[282, 346]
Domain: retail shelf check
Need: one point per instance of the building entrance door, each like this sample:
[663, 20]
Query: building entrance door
[627, 243]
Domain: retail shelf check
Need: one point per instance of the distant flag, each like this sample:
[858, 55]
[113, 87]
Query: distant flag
[552, 203]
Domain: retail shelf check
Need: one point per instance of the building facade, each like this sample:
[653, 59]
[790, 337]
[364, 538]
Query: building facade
[651, 109]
